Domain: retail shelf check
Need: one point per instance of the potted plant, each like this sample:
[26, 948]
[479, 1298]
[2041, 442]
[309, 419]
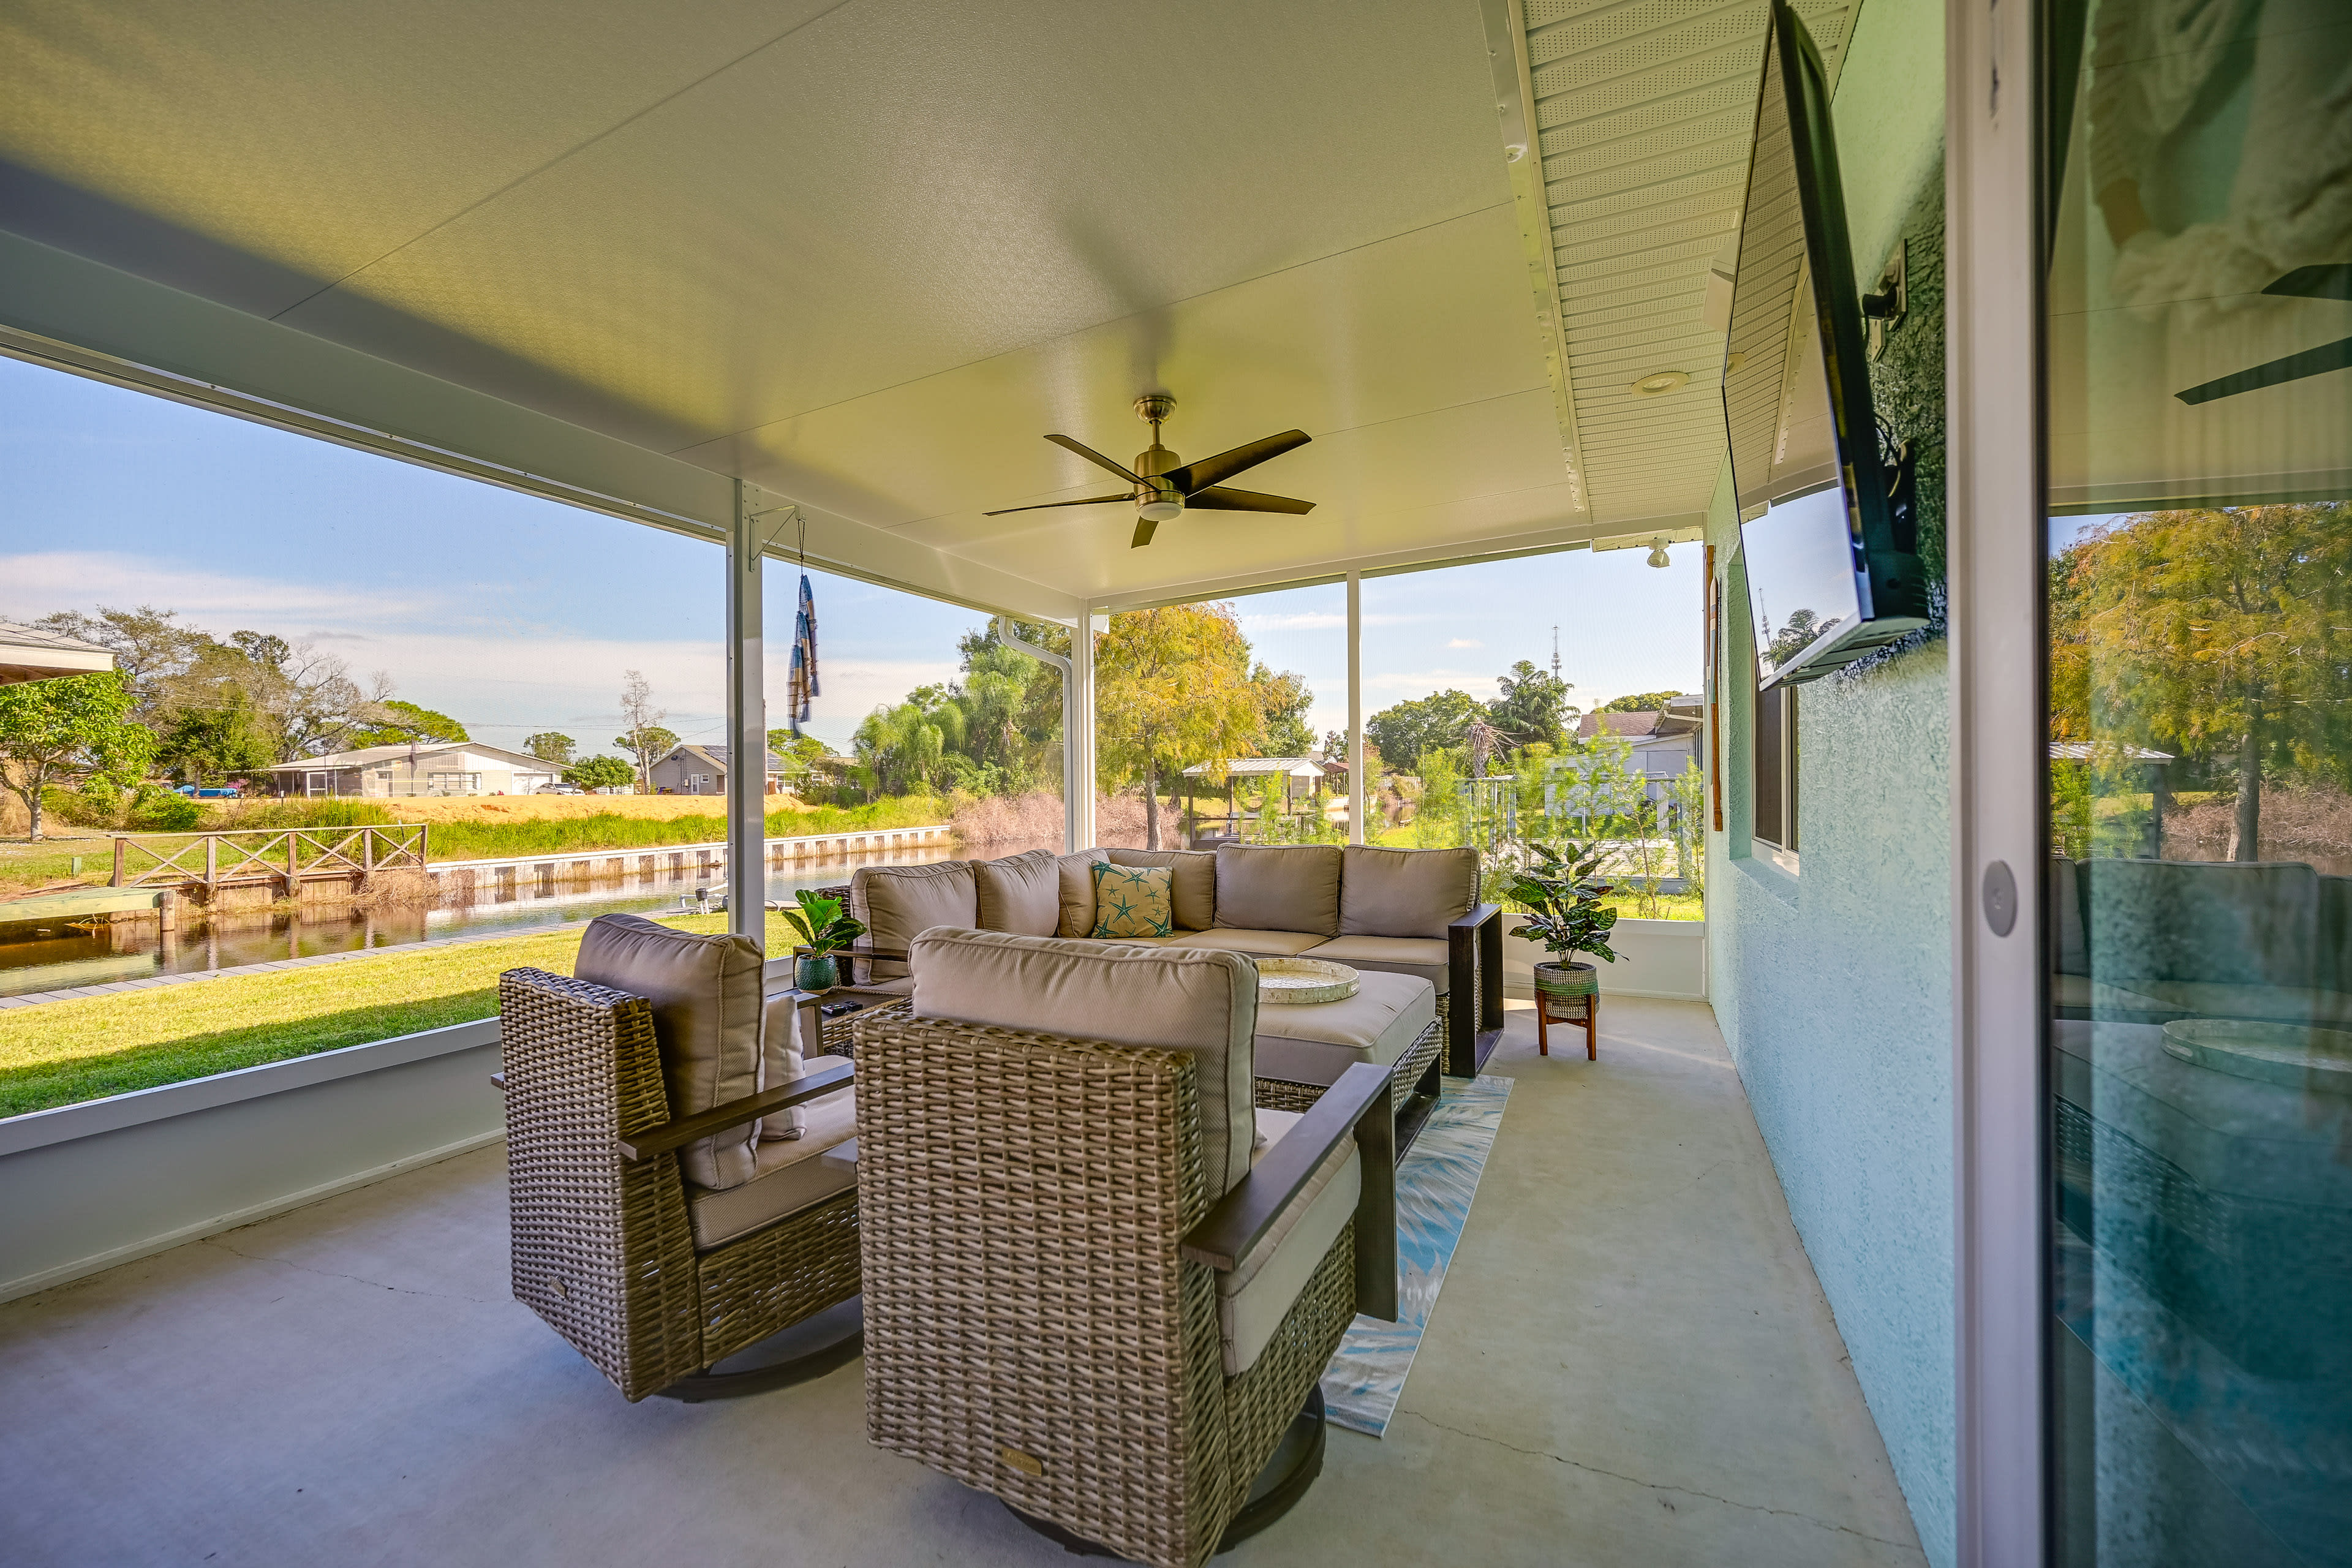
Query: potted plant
[1565, 914]
[824, 929]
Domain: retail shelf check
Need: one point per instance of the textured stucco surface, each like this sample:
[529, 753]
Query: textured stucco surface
[1833, 986]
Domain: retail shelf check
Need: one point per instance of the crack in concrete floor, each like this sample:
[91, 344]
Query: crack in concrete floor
[329, 1274]
[1665, 1486]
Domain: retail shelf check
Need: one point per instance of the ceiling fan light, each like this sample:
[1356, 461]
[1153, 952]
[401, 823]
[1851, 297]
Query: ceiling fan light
[1658, 556]
[1160, 509]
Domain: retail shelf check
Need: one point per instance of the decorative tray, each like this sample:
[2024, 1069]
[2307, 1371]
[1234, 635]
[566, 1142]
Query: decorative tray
[1296, 982]
[2289, 1054]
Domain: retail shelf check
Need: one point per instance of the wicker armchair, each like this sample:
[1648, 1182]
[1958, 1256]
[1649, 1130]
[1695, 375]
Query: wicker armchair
[1086, 1292]
[653, 1227]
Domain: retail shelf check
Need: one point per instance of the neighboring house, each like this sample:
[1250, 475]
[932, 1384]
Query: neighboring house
[702, 770]
[27, 654]
[463, 767]
[1665, 743]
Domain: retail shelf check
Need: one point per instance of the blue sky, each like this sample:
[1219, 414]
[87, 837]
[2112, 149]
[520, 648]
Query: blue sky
[514, 614]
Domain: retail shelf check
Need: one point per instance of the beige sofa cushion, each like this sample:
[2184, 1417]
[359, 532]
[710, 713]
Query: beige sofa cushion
[706, 999]
[786, 1177]
[1316, 1044]
[1177, 999]
[1020, 893]
[1291, 888]
[1416, 956]
[897, 901]
[1405, 892]
[1253, 1299]
[1196, 881]
[1078, 892]
[1256, 943]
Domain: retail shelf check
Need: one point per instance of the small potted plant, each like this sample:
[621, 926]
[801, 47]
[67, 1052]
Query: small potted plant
[824, 929]
[1565, 914]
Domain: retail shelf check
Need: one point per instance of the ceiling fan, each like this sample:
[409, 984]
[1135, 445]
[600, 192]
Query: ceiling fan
[1165, 487]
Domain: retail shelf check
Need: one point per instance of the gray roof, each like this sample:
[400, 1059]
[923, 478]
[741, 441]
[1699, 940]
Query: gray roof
[423, 750]
[715, 755]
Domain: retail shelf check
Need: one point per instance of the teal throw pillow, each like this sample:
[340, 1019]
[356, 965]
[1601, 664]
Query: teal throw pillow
[1133, 900]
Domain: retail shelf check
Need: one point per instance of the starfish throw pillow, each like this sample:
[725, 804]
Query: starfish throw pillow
[1133, 900]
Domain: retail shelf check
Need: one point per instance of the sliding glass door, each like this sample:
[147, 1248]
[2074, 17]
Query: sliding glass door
[2199, 878]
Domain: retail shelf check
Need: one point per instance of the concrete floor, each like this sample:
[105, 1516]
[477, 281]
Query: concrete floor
[1630, 1363]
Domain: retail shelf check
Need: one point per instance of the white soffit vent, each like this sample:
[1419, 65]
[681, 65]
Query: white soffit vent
[1638, 115]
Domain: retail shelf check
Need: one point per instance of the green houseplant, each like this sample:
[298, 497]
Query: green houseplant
[1565, 913]
[824, 929]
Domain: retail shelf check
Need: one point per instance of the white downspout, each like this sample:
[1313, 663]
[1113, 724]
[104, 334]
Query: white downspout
[1077, 713]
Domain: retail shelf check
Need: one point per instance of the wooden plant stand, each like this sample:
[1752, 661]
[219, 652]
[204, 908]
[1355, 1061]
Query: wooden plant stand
[1584, 1010]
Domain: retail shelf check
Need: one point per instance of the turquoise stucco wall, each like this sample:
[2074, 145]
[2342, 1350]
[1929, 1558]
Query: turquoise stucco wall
[1833, 985]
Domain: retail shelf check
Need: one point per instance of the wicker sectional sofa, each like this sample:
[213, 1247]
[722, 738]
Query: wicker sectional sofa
[1382, 911]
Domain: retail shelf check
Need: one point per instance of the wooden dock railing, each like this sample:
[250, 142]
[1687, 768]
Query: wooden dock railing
[287, 855]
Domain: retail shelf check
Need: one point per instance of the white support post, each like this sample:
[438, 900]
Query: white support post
[1079, 732]
[1356, 793]
[747, 716]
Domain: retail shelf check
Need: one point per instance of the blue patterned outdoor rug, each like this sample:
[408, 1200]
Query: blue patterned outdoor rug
[1434, 1186]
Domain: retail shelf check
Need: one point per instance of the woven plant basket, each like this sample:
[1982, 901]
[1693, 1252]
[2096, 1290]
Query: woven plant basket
[1567, 982]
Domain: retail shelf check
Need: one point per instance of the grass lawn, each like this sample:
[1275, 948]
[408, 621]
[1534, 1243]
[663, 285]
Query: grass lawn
[60, 1053]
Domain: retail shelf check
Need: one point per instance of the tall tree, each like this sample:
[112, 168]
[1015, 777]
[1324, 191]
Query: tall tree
[1284, 696]
[592, 773]
[1404, 732]
[641, 726]
[551, 747]
[2218, 633]
[901, 747]
[1532, 707]
[1637, 703]
[305, 701]
[1173, 688]
[150, 646]
[405, 721]
[73, 729]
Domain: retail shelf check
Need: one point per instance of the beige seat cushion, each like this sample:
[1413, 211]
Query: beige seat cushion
[1253, 1299]
[786, 1178]
[1176, 999]
[1316, 1044]
[706, 999]
[897, 901]
[1196, 881]
[1285, 888]
[1078, 892]
[1256, 943]
[1020, 893]
[1405, 892]
[1416, 955]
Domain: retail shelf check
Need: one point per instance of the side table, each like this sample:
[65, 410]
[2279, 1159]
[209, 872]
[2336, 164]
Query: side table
[817, 1039]
[1584, 1010]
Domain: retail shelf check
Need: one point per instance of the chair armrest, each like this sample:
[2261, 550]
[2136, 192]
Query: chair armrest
[1474, 980]
[666, 1137]
[1358, 1106]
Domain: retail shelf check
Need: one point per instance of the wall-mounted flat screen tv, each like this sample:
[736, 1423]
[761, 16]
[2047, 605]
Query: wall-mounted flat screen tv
[1827, 538]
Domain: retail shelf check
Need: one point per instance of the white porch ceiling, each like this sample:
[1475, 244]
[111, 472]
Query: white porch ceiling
[1643, 111]
[866, 254]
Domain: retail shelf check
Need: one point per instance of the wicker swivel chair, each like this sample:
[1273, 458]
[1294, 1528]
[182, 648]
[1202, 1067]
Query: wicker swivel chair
[669, 1209]
[1086, 1292]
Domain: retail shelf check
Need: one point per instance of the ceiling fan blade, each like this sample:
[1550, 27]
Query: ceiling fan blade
[1143, 528]
[1091, 456]
[1043, 505]
[1216, 498]
[1205, 472]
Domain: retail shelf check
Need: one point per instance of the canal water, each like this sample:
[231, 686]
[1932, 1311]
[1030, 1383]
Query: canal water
[68, 956]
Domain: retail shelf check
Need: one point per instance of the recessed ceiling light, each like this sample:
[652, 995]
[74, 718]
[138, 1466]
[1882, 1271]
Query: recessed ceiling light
[1735, 362]
[1659, 382]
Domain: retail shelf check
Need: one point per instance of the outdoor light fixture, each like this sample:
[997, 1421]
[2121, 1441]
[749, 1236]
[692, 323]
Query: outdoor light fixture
[1659, 382]
[1658, 556]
